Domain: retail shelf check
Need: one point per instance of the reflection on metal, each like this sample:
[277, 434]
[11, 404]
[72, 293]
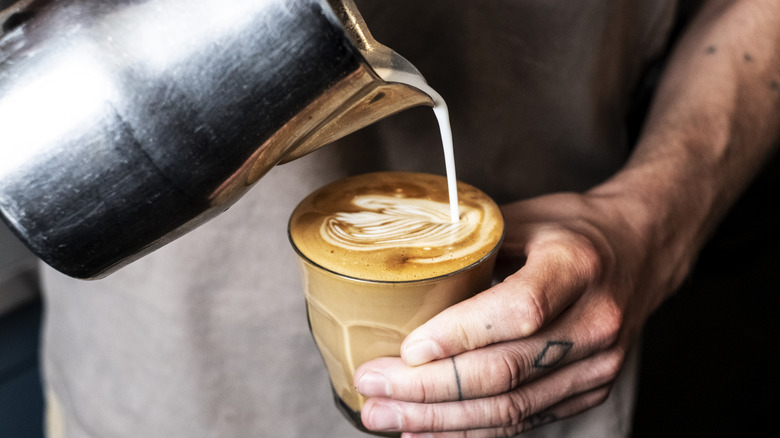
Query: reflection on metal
[125, 124]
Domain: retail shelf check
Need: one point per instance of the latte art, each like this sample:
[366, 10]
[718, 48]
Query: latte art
[389, 221]
[395, 226]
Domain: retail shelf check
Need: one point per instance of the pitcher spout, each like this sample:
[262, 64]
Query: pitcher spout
[390, 85]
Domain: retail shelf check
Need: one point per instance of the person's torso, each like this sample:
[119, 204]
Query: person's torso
[207, 337]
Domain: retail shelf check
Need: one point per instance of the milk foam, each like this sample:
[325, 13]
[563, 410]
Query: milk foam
[388, 221]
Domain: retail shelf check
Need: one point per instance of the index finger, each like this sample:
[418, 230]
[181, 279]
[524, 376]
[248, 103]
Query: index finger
[558, 269]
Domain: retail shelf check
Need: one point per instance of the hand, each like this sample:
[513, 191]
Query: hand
[544, 344]
[549, 341]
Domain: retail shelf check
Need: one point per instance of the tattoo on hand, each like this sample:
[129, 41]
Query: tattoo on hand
[539, 419]
[457, 379]
[553, 353]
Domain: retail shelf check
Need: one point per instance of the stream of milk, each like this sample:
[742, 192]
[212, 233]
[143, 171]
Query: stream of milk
[443, 117]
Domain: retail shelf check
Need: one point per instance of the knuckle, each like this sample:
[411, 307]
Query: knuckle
[612, 365]
[536, 306]
[605, 370]
[578, 252]
[503, 371]
[609, 317]
[530, 307]
[420, 388]
[600, 396]
[432, 419]
[433, 385]
[588, 261]
[512, 409]
[465, 337]
[513, 368]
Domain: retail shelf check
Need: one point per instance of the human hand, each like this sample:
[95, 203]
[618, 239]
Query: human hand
[544, 344]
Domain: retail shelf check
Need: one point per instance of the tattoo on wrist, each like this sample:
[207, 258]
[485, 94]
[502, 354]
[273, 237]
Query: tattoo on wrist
[553, 353]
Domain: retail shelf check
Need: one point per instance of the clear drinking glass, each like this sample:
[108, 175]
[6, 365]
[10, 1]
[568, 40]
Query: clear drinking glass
[354, 320]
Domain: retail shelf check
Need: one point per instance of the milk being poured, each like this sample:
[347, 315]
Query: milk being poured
[443, 117]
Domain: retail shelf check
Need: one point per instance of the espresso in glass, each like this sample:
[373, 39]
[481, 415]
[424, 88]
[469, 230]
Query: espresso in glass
[380, 255]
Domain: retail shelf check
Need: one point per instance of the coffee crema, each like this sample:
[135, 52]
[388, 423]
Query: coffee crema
[395, 226]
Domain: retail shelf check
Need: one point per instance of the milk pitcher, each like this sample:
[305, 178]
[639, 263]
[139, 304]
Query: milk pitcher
[125, 124]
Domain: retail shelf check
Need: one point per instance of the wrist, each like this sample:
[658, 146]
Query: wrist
[668, 210]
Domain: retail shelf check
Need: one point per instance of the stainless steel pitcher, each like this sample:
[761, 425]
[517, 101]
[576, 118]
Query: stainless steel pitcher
[125, 124]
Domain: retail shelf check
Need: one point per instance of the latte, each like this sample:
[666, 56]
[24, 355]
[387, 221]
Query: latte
[380, 255]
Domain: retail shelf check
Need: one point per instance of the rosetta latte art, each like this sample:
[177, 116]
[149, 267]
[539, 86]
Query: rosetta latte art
[398, 222]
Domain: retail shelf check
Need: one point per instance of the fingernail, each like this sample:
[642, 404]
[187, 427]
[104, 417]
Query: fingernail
[384, 417]
[374, 385]
[421, 352]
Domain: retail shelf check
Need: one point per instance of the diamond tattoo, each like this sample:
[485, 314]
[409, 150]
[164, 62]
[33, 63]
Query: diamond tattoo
[553, 353]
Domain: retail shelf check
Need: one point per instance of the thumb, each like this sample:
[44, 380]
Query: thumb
[554, 276]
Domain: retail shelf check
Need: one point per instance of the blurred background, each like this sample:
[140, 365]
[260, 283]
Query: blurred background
[21, 399]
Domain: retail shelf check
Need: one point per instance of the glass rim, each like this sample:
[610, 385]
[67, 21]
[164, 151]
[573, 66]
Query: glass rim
[308, 260]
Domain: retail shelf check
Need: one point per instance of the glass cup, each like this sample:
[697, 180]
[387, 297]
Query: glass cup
[354, 320]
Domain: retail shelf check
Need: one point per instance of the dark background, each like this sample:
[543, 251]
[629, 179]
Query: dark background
[710, 364]
[21, 398]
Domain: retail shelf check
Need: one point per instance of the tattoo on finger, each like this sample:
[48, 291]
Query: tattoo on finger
[552, 354]
[539, 419]
[457, 379]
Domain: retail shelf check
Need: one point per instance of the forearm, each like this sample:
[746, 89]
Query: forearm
[713, 122]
